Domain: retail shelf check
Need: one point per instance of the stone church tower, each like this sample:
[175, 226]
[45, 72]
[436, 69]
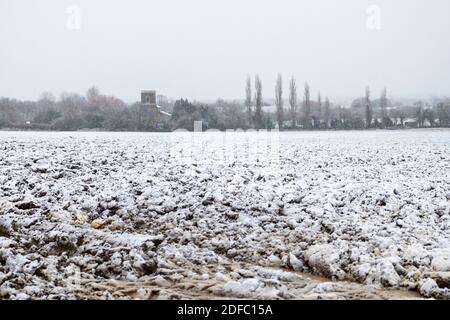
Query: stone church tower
[151, 116]
[148, 97]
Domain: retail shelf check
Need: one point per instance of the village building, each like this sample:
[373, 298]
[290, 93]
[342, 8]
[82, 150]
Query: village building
[153, 116]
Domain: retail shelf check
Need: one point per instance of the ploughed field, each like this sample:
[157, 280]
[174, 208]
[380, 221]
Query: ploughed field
[337, 215]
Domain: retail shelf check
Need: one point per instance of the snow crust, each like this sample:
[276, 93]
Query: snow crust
[82, 208]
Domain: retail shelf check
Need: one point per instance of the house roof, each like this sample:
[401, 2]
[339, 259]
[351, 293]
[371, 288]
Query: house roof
[163, 112]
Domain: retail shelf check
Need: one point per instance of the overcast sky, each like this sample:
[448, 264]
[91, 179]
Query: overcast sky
[203, 49]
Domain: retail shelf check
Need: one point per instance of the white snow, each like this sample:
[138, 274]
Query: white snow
[365, 206]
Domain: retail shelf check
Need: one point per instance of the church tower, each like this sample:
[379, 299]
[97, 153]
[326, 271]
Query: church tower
[148, 98]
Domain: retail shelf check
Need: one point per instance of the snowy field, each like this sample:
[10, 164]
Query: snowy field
[339, 215]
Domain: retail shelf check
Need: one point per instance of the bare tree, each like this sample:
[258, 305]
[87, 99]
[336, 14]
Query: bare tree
[402, 116]
[307, 107]
[327, 113]
[293, 101]
[47, 96]
[279, 101]
[258, 103]
[92, 93]
[443, 112]
[383, 105]
[319, 109]
[420, 114]
[45, 109]
[46, 100]
[369, 114]
[430, 115]
[248, 100]
[71, 106]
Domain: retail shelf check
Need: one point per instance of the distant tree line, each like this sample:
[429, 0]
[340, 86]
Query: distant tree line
[96, 111]
[363, 113]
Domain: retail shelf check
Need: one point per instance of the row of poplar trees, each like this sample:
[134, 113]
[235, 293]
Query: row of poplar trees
[294, 117]
[303, 117]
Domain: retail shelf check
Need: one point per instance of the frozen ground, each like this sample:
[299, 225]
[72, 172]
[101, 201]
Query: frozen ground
[116, 215]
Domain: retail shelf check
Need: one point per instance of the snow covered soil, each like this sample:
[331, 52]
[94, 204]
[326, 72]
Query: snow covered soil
[115, 215]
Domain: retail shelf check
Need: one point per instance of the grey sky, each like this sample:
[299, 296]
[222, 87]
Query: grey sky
[203, 49]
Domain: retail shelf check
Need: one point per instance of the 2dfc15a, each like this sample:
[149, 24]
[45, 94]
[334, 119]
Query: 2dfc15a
[246, 309]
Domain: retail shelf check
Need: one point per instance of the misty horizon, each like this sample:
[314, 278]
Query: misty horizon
[203, 51]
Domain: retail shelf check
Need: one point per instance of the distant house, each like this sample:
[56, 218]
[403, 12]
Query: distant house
[153, 115]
